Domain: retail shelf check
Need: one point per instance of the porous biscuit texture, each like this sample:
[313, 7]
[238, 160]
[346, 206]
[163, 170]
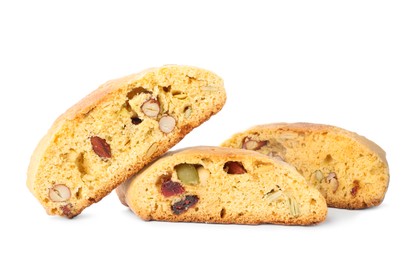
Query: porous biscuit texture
[115, 131]
[348, 169]
[222, 185]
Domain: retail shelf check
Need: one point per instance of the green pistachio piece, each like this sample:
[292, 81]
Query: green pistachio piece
[187, 174]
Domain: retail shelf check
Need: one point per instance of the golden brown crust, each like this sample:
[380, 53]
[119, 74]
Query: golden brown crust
[221, 196]
[102, 100]
[358, 161]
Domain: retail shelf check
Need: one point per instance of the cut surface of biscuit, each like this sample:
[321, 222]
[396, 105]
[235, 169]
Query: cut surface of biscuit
[115, 131]
[222, 185]
[349, 170]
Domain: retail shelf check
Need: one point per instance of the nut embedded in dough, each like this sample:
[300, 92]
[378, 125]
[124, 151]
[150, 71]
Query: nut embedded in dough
[250, 144]
[151, 108]
[167, 124]
[100, 147]
[232, 167]
[59, 193]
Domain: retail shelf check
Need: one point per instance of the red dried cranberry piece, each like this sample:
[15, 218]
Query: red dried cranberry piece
[183, 205]
[170, 188]
[136, 120]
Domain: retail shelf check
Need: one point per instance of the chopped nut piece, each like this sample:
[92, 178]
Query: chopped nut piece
[250, 144]
[203, 175]
[59, 193]
[152, 149]
[100, 147]
[187, 112]
[330, 176]
[318, 175]
[167, 124]
[187, 174]
[232, 167]
[273, 195]
[333, 181]
[151, 108]
[293, 206]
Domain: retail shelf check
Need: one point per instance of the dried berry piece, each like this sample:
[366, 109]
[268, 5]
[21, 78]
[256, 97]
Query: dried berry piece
[136, 120]
[355, 188]
[253, 144]
[171, 188]
[232, 167]
[101, 147]
[184, 204]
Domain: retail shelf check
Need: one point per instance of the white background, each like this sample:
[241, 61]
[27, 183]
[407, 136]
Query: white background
[346, 63]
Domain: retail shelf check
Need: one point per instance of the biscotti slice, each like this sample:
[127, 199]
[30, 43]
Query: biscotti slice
[222, 185]
[349, 170]
[115, 131]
